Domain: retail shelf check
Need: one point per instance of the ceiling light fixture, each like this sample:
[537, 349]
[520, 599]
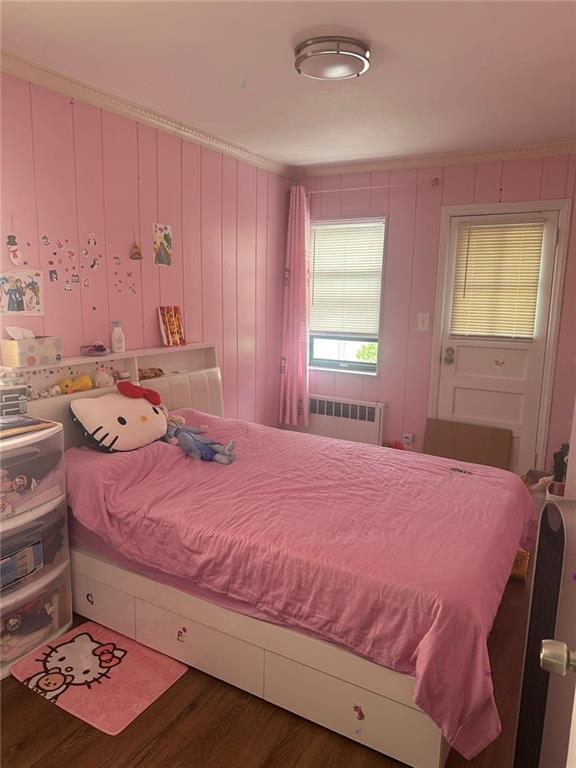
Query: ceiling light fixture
[332, 58]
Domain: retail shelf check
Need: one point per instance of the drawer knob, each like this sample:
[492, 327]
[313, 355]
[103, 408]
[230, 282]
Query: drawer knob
[90, 598]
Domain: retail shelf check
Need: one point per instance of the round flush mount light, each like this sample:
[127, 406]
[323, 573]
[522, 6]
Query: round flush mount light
[332, 58]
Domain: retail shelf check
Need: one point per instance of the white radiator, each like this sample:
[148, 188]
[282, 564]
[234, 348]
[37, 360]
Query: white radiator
[356, 420]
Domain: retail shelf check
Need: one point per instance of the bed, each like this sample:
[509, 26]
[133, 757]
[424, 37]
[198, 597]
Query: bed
[353, 585]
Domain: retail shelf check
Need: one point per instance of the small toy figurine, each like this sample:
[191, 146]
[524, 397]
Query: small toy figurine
[31, 393]
[188, 438]
[560, 463]
[54, 390]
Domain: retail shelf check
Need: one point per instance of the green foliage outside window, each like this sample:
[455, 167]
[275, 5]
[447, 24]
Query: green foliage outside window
[368, 353]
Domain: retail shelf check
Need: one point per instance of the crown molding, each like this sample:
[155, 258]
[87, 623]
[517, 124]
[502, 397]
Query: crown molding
[436, 160]
[26, 70]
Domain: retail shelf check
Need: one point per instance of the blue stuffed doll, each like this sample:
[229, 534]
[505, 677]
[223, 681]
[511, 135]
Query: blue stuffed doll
[188, 438]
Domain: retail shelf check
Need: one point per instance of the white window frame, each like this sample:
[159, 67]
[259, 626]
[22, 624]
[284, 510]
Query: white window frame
[356, 371]
[563, 208]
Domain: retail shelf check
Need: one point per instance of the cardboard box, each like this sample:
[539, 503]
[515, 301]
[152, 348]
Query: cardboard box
[42, 350]
[468, 442]
[520, 567]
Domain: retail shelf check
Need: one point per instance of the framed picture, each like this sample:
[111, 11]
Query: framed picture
[171, 326]
[21, 292]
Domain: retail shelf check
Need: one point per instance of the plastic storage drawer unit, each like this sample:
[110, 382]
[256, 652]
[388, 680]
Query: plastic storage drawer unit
[31, 547]
[32, 615]
[31, 471]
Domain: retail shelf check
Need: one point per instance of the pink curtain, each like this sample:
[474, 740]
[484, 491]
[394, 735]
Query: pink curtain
[294, 362]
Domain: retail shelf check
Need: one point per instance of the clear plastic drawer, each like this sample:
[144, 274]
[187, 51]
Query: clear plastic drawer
[31, 550]
[30, 616]
[31, 471]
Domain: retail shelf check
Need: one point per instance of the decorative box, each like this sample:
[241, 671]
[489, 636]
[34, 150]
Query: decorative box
[42, 350]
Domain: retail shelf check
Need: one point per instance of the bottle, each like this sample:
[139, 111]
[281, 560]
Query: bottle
[118, 338]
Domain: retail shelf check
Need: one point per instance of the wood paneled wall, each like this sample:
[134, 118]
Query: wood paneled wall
[411, 260]
[71, 170]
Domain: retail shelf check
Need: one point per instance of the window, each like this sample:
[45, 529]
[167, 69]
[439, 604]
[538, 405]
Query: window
[345, 287]
[496, 279]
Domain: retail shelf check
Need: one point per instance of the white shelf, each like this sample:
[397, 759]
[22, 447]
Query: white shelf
[95, 359]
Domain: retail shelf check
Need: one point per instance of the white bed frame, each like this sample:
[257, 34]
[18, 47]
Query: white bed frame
[321, 682]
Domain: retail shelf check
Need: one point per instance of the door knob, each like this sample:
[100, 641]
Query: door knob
[556, 658]
[449, 353]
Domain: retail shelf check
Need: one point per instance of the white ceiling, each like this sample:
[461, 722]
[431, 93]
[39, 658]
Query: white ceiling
[445, 76]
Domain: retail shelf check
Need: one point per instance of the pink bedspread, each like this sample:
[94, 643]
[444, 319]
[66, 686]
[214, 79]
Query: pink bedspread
[395, 556]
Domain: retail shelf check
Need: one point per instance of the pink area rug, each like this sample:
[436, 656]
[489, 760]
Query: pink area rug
[95, 674]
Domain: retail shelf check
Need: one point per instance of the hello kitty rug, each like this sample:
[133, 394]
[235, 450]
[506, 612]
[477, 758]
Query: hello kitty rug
[95, 674]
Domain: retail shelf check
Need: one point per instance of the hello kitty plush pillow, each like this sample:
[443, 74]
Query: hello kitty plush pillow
[122, 421]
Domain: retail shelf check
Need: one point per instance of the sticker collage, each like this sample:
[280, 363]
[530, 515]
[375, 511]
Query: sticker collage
[22, 288]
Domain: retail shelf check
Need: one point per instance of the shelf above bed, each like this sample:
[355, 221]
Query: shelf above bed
[72, 362]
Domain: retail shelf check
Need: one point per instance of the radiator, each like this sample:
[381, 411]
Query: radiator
[355, 420]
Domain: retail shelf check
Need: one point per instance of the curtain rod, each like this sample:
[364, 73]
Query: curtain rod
[433, 183]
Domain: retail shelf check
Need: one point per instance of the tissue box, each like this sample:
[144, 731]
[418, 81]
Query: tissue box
[42, 350]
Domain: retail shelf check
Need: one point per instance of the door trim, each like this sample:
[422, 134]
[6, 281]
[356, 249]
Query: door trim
[563, 207]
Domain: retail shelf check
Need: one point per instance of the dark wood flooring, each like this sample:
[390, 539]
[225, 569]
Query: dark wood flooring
[204, 723]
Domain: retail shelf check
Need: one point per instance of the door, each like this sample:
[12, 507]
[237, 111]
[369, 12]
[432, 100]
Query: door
[495, 324]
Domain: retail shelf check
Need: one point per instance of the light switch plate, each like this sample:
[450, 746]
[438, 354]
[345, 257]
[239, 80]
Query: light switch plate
[423, 321]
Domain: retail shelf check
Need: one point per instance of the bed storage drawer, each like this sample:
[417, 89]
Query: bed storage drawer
[99, 602]
[355, 712]
[202, 647]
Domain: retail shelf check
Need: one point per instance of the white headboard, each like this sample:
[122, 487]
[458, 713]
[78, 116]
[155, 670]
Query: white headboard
[200, 389]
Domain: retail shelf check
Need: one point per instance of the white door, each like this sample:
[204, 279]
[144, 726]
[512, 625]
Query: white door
[495, 324]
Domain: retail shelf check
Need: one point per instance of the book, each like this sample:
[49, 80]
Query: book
[19, 425]
[171, 326]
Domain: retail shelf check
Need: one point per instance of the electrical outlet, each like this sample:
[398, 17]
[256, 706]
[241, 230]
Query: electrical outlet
[408, 439]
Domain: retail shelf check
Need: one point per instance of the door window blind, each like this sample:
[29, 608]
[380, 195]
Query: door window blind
[346, 277]
[496, 278]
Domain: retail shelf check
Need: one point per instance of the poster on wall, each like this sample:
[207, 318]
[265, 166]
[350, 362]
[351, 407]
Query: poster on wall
[21, 292]
[162, 244]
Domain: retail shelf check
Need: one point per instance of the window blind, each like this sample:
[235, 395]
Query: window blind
[496, 279]
[346, 277]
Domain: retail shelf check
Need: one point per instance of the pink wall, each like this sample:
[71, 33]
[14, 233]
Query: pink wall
[410, 274]
[70, 169]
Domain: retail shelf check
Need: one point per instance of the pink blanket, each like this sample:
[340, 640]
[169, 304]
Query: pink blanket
[396, 556]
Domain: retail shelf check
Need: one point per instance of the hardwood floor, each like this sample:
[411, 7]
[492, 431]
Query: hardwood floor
[204, 723]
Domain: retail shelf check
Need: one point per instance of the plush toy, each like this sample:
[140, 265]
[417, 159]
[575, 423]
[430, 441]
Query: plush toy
[103, 379]
[54, 390]
[79, 384]
[188, 438]
[82, 383]
[121, 421]
[66, 386]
